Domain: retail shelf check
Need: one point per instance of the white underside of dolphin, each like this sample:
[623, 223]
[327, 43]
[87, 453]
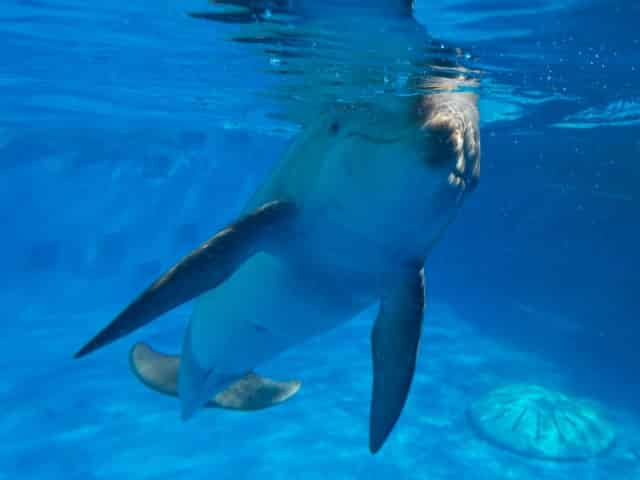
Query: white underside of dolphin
[346, 220]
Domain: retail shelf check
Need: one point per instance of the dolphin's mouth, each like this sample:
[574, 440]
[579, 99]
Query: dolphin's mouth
[464, 181]
[457, 179]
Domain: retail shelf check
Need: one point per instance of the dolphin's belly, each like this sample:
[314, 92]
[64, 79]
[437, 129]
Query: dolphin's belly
[363, 203]
[261, 310]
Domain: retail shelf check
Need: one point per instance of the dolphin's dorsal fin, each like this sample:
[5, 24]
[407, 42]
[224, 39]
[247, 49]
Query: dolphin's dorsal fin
[394, 341]
[203, 269]
[159, 372]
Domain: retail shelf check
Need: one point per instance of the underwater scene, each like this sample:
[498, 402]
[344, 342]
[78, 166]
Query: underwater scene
[320, 239]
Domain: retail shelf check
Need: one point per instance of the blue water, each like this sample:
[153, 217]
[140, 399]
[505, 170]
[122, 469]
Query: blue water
[127, 137]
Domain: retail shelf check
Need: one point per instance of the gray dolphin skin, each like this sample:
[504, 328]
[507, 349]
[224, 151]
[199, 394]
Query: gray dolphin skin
[345, 220]
[159, 372]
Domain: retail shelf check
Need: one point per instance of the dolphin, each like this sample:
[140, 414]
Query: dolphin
[346, 219]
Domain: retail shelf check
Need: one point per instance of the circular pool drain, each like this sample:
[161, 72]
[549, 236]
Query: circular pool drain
[536, 422]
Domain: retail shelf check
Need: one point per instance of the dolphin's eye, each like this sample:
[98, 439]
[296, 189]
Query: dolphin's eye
[334, 128]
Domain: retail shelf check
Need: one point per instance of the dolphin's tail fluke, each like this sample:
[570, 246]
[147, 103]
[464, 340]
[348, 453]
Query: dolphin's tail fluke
[159, 371]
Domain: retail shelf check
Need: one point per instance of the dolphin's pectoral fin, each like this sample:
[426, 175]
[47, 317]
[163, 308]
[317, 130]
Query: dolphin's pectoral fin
[159, 372]
[394, 341]
[203, 269]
